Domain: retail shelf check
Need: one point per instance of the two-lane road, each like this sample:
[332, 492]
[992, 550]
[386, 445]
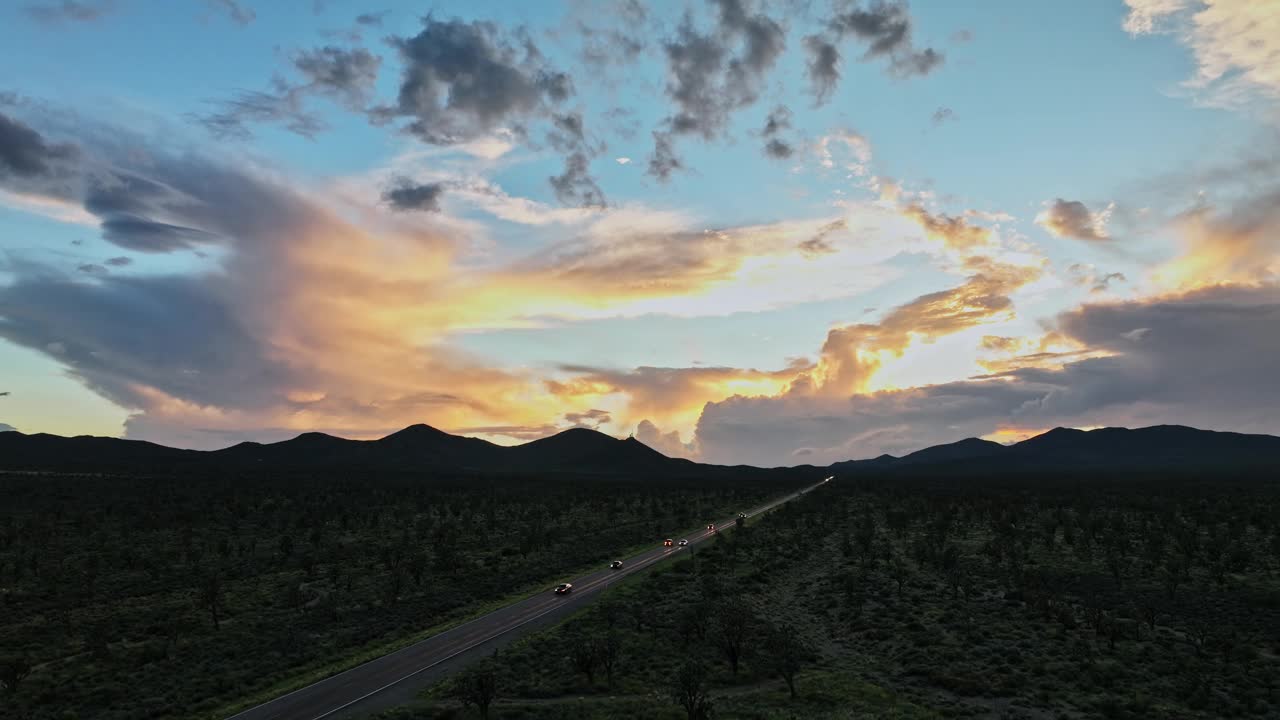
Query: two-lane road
[394, 678]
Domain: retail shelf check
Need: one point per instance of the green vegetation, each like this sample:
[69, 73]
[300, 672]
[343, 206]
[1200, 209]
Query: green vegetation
[166, 597]
[911, 598]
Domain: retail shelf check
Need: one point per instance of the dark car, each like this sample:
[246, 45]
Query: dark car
[564, 589]
[711, 527]
[615, 564]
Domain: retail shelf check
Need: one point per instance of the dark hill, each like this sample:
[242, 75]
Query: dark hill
[588, 450]
[83, 451]
[1161, 447]
[424, 448]
[418, 447]
[966, 449]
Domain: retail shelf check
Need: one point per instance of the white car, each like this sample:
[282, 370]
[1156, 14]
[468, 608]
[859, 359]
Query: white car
[683, 543]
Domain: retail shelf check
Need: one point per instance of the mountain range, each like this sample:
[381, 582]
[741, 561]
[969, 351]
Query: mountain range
[581, 450]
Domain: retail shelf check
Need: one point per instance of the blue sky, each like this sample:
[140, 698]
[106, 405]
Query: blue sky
[978, 186]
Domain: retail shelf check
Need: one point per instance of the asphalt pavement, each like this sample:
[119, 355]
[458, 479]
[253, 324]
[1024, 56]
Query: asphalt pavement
[397, 677]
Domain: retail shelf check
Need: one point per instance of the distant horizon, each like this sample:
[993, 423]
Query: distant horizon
[747, 231]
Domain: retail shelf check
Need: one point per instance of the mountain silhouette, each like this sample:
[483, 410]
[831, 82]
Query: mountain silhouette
[424, 448]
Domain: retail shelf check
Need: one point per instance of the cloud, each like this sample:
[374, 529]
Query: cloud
[80, 11]
[1204, 358]
[408, 195]
[849, 142]
[714, 73]
[344, 76]
[622, 160]
[118, 261]
[284, 107]
[664, 162]
[962, 36]
[1070, 218]
[1235, 44]
[372, 19]
[575, 187]
[239, 14]
[885, 29]
[1239, 244]
[667, 443]
[1089, 276]
[303, 319]
[348, 76]
[590, 419]
[820, 243]
[778, 122]
[26, 156]
[462, 81]
[823, 68]
[942, 115]
[954, 231]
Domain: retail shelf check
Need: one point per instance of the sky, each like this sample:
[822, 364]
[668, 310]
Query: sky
[771, 233]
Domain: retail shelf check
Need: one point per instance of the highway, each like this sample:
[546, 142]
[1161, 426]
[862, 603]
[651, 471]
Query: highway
[395, 678]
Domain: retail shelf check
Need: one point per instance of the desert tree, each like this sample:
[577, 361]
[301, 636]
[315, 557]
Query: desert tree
[210, 592]
[477, 686]
[584, 656]
[609, 648]
[731, 630]
[13, 671]
[785, 654]
[689, 690]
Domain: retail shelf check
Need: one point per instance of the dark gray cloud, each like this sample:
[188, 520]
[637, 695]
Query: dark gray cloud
[941, 115]
[575, 186]
[240, 14]
[92, 269]
[464, 80]
[408, 195]
[714, 73]
[54, 13]
[372, 19]
[348, 76]
[664, 161]
[1206, 359]
[883, 28]
[823, 67]
[1071, 218]
[778, 122]
[613, 35]
[117, 334]
[118, 261]
[345, 76]
[195, 336]
[138, 233]
[26, 155]
[284, 107]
